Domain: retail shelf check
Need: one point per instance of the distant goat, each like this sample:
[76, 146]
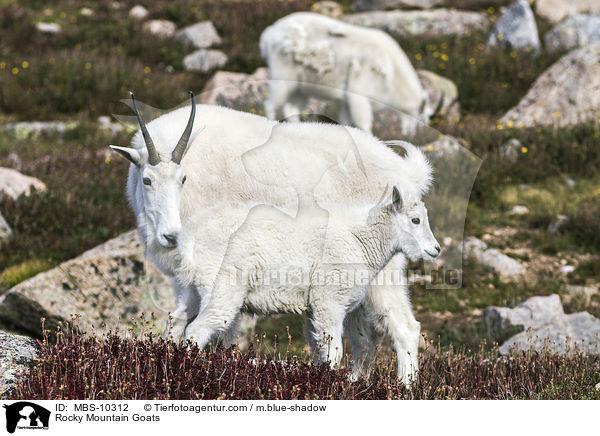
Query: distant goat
[312, 55]
[319, 263]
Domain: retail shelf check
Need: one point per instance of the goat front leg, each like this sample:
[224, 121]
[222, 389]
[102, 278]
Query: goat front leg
[218, 312]
[186, 309]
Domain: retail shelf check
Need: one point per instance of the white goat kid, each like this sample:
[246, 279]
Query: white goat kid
[312, 55]
[236, 159]
[335, 253]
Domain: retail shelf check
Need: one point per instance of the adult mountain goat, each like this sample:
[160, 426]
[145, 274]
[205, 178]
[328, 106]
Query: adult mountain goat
[312, 55]
[319, 262]
[243, 158]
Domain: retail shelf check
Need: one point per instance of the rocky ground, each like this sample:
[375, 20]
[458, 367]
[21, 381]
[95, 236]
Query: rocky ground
[513, 84]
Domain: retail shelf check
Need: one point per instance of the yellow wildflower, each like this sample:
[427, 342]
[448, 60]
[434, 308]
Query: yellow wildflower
[25, 65]
[88, 66]
[524, 149]
[472, 61]
[14, 71]
[147, 70]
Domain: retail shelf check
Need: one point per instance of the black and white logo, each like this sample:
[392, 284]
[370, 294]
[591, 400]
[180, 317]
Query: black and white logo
[26, 415]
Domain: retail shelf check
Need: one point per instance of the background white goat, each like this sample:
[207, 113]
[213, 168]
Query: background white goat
[240, 157]
[312, 55]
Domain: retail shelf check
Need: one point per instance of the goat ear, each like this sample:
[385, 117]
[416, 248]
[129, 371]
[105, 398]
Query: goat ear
[131, 154]
[396, 200]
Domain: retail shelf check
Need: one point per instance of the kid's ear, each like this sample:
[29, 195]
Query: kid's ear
[396, 200]
[131, 154]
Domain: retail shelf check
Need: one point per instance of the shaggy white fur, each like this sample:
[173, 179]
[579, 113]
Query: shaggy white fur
[244, 158]
[319, 262]
[312, 55]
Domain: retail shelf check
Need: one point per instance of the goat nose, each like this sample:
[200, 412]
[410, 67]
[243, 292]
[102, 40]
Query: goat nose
[438, 249]
[171, 238]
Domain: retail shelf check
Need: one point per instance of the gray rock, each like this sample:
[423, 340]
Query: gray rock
[576, 31]
[14, 184]
[516, 29]
[204, 60]
[379, 5]
[199, 35]
[138, 12]
[328, 8]
[433, 23]
[557, 223]
[108, 285]
[16, 352]
[5, 230]
[543, 325]
[162, 28]
[32, 129]
[565, 94]
[533, 313]
[585, 292]
[51, 28]
[557, 10]
[503, 265]
[442, 96]
[237, 90]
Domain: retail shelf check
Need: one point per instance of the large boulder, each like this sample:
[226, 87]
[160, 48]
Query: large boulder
[199, 35]
[108, 285]
[379, 5]
[516, 29]
[557, 10]
[5, 231]
[204, 60]
[430, 23]
[14, 184]
[576, 31]
[565, 94]
[542, 325]
[16, 352]
[503, 265]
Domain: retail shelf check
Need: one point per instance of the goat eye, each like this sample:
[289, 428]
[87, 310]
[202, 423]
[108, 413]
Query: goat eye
[183, 180]
[147, 181]
[416, 221]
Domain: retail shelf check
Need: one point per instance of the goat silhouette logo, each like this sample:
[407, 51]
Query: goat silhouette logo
[26, 415]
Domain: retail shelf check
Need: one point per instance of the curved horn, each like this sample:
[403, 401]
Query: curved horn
[179, 149]
[153, 158]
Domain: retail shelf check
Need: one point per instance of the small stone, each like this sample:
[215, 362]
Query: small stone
[557, 223]
[162, 28]
[204, 60]
[199, 35]
[14, 184]
[5, 230]
[329, 8]
[138, 12]
[519, 210]
[511, 150]
[48, 27]
[86, 12]
[567, 269]
[16, 352]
